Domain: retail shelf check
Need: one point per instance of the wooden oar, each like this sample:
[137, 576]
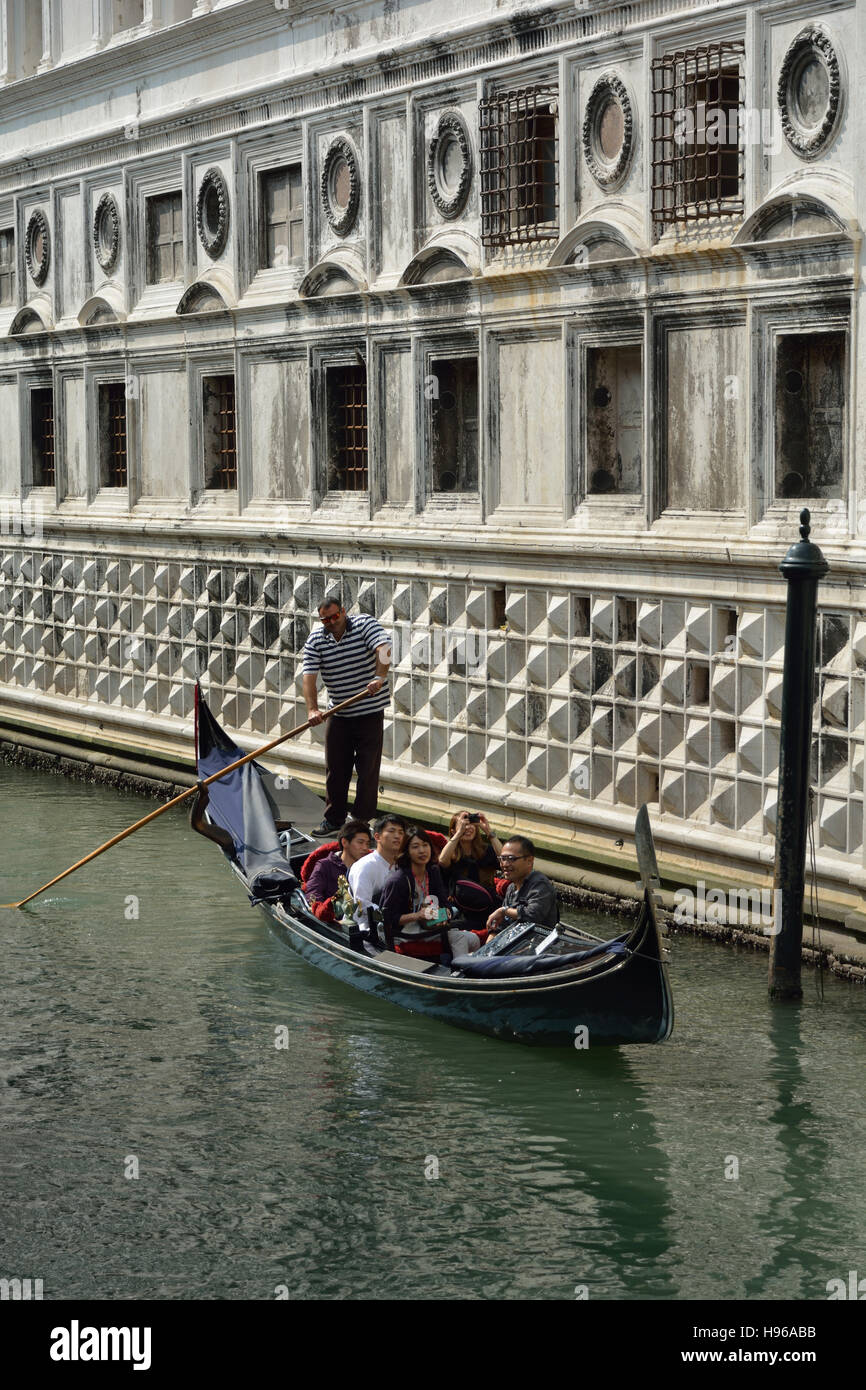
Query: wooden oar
[176, 800]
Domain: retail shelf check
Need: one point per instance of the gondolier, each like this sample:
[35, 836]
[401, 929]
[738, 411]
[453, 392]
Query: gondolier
[350, 654]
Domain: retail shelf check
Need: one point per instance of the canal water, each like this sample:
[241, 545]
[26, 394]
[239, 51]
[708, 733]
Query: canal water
[156, 1143]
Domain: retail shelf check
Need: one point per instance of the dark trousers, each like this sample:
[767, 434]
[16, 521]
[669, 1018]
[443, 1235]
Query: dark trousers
[353, 744]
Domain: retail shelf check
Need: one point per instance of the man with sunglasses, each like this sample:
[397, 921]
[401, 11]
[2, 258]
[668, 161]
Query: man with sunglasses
[530, 895]
[351, 655]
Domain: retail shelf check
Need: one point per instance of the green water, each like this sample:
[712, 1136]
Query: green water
[311, 1166]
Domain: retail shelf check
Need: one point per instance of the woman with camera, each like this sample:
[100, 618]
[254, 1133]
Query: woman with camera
[469, 861]
[415, 901]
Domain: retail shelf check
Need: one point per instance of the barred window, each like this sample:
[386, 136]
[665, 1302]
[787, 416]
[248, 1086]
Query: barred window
[112, 435]
[7, 267]
[42, 435]
[697, 120]
[346, 394]
[519, 160]
[282, 216]
[220, 433]
[165, 238]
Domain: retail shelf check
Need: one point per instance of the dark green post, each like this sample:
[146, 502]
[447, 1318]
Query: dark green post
[803, 566]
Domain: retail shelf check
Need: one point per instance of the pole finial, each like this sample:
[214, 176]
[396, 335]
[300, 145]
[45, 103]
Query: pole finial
[805, 523]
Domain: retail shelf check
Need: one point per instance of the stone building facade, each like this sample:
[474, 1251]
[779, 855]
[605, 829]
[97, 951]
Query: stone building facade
[531, 327]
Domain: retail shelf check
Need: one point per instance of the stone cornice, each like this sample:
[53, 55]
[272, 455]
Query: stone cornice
[158, 49]
[629, 555]
[661, 280]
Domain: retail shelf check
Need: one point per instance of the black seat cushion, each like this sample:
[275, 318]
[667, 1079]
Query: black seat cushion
[500, 967]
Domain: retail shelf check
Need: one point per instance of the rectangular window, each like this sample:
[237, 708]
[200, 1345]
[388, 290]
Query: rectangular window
[42, 435]
[454, 425]
[519, 161]
[810, 399]
[220, 433]
[165, 239]
[614, 419]
[282, 217]
[697, 121]
[346, 394]
[112, 435]
[7, 267]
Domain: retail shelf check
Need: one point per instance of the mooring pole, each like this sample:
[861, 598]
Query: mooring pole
[802, 567]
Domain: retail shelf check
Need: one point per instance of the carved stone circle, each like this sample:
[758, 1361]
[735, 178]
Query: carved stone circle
[341, 219]
[106, 232]
[606, 173]
[810, 42]
[451, 127]
[38, 268]
[213, 239]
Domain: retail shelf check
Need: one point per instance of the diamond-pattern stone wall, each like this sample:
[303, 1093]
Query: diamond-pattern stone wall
[607, 695]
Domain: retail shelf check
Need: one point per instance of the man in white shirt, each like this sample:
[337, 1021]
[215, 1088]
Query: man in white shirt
[368, 876]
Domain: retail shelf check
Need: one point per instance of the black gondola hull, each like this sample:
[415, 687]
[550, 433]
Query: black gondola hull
[609, 994]
[611, 1000]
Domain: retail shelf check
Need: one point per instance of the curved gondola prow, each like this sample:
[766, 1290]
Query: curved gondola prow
[648, 864]
[649, 877]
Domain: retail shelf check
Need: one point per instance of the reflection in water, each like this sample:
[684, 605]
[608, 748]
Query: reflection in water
[800, 1203]
[549, 1170]
[315, 1165]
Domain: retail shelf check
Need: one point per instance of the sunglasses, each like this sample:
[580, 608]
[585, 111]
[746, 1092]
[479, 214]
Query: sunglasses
[334, 618]
[510, 858]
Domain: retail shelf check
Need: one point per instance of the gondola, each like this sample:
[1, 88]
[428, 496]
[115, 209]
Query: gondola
[562, 988]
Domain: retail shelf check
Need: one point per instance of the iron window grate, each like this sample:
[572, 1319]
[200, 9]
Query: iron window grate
[116, 471]
[519, 163]
[348, 417]
[697, 134]
[225, 474]
[42, 416]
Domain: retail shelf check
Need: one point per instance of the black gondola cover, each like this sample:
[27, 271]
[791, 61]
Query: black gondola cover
[239, 804]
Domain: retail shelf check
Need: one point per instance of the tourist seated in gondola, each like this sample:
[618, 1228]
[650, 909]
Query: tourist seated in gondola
[530, 895]
[368, 875]
[411, 900]
[208, 828]
[468, 862]
[354, 842]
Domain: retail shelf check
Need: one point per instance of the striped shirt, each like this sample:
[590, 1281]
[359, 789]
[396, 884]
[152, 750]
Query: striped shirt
[348, 665]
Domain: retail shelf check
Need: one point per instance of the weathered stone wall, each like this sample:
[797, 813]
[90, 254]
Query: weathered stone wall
[567, 647]
[590, 694]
